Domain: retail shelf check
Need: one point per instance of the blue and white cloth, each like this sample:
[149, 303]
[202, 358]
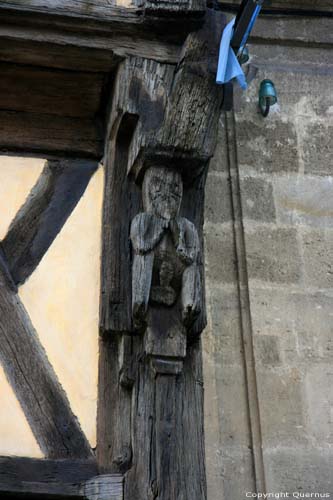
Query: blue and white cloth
[228, 65]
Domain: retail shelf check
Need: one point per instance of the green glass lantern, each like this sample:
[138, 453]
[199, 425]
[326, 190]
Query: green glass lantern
[267, 96]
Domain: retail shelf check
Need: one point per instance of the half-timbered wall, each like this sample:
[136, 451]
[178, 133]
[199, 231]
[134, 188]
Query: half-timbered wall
[62, 299]
[268, 238]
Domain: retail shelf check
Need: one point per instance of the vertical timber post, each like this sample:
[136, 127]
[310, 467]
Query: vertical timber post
[161, 134]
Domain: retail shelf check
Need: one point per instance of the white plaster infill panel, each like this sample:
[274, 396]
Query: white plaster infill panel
[62, 299]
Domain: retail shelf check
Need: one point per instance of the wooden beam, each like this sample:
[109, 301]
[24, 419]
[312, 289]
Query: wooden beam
[55, 92]
[104, 487]
[101, 15]
[102, 10]
[39, 220]
[154, 7]
[99, 11]
[88, 51]
[121, 201]
[35, 383]
[90, 37]
[34, 52]
[50, 112]
[45, 478]
[49, 135]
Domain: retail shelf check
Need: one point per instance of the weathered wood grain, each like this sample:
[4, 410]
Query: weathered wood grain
[50, 111]
[100, 50]
[168, 436]
[194, 211]
[95, 10]
[89, 35]
[154, 7]
[178, 117]
[104, 487]
[166, 286]
[55, 92]
[191, 120]
[100, 10]
[117, 370]
[168, 468]
[39, 220]
[175, 111]
[141, 480]
[180, 455]
[49, 135]
[122, 200]
[16, 48]
[142, 89]
[56, 429]
[53, 48]
[102, 16]
[178, 107]
[45, 478]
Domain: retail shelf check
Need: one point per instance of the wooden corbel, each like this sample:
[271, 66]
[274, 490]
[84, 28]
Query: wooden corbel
[162, 132]
[162, 115]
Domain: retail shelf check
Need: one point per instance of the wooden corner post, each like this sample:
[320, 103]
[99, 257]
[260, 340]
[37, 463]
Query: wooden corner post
[161, 134]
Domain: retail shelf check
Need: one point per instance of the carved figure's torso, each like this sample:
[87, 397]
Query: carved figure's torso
[168, 269]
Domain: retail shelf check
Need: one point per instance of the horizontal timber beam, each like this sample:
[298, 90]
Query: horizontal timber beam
[96, 51]
[103, 11]
[55, 92]
[93, 34]
[44, 478]
[47, 135]
[101, 15]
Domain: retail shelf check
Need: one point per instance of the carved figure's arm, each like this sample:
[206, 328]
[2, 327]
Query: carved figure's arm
[191, 283]
[143, 243]
[141, 281]
[191, 300]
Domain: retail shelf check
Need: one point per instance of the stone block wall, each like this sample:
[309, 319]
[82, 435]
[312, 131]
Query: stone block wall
[269, 264]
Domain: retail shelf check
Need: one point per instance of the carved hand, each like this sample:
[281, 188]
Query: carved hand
[190, 313]
[139, 311]
[191, 303]
[174, 229]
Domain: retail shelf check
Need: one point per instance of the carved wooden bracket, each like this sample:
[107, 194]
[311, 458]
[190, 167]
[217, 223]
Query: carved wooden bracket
[161, 134]
[162, 115]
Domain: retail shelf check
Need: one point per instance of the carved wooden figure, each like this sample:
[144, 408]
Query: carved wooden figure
[165, 274]
[161, 134]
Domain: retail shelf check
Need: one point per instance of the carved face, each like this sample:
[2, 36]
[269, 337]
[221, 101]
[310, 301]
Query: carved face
[162, 192]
